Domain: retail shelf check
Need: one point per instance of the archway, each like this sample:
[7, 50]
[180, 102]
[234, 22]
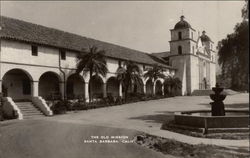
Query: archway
[75, 87]
[136, 87]
[96, 87]
[49, 87]
[167, 87]
[149, 87]
[158, 88]
[17, 84]
[113, 87]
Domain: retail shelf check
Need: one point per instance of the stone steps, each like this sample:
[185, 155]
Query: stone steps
[29, 111]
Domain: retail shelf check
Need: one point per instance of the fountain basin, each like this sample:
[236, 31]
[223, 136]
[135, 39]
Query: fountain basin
[217, 97]
[203, 119]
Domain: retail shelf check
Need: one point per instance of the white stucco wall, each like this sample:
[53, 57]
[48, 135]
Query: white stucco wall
[194, 73]
[186, 33]
[18, 55]
[212, 74]
[184, 44]
[112, 65]
[175, 34]
[180, 63]
[17, 52]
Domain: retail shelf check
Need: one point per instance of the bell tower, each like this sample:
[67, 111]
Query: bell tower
[183, 47]
[183, 38]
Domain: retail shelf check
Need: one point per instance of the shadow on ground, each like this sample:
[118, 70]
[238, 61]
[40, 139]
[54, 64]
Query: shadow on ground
[157, 118]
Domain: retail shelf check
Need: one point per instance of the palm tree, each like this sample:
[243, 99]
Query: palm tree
[172, 83]
[127, 75]
[154, 73]
[92, 60]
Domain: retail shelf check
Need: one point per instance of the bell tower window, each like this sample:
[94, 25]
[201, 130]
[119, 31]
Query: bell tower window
[179, 50]
[179, 35]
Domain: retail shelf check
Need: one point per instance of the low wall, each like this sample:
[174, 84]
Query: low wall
[235, 121]
[10, 109]
[41, 104]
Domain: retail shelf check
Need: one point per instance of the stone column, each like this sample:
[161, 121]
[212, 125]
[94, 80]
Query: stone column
[144, 88]
[86, 91]
[104, 90]
[154, 84]
[35, 88]
[162, 89]
[120, 90]
[1, 86]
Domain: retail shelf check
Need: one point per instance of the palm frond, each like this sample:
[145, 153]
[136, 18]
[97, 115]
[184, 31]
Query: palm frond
[93, 60]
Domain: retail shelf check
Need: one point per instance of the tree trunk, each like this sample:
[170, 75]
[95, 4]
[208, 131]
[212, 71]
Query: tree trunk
[126, 90]
[90, 85]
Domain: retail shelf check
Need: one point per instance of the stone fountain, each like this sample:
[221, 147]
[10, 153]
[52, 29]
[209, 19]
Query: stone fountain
[218, 108]
[215, 119]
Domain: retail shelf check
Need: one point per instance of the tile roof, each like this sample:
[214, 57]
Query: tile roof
[15, 29]
[162, 54]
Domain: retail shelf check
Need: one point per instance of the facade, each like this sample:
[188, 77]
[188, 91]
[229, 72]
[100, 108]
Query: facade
[41, 61]
[193, 56]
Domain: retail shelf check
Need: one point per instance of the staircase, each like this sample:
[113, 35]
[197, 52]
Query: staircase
[29, 110]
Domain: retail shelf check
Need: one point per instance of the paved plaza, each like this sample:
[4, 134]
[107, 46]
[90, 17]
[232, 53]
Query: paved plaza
[63, 135]
[148, 116]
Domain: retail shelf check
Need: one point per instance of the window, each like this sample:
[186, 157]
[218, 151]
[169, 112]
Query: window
[192, 35]
[179, 50]
[144, 67]
[120, 63]
[63, 54]
[34, 50]
[193, 49]
[179, 35]
[167, 60]
[26, 87]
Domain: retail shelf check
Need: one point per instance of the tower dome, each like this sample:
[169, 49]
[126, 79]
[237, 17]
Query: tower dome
[182, 24]
[204, 37]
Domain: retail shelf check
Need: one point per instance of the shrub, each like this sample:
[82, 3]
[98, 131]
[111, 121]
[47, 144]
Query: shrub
[135, 97]
[1, 113]
[59, 107]
[1, 118]
[119, 100]
[79, 105]
[110, 100]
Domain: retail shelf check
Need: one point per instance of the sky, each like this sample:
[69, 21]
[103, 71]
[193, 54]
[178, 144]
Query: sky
[140, 25]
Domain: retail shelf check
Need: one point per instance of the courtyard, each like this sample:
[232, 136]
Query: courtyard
[65, 133]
